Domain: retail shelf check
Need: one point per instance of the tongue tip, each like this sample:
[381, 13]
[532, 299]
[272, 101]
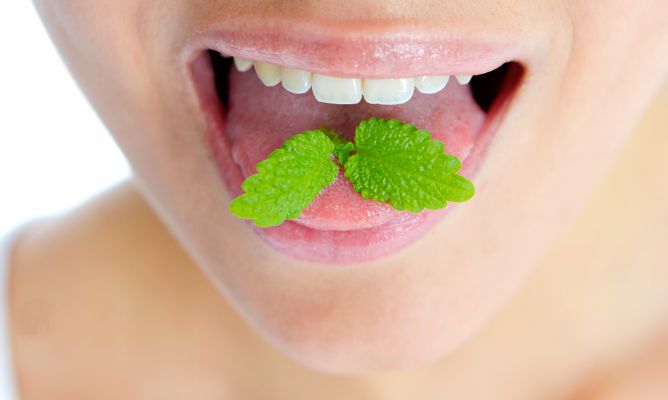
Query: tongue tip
[339, 208]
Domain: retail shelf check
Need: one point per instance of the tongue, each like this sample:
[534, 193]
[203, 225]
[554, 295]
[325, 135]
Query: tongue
[259, 119]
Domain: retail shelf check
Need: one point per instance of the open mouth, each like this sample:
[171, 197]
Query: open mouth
[253, 101]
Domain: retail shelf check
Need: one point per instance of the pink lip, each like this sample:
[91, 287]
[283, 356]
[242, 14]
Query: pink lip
[351, 246]
[377, 51]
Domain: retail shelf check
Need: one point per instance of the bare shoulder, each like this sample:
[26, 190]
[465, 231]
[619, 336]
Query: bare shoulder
[89, 292]
[111, 220]
[106, 241]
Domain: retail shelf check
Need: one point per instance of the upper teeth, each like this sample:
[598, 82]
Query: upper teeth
[334, 90]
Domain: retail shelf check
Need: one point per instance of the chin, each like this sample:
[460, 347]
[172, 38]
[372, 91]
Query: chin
[354, 322]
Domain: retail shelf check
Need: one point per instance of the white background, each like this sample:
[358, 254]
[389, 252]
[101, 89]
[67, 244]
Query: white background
[54, 151]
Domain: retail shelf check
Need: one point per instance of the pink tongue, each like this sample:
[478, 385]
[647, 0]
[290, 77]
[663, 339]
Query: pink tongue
[259, 119]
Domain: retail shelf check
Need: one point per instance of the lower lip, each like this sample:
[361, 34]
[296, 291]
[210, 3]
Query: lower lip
[331, 246]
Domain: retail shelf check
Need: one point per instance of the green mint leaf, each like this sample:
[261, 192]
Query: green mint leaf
[342, 151]
[342, 147]
[399, 164]
[288, 180]
[389, 162]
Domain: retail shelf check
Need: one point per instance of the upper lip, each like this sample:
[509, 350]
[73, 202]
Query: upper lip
[394, 51]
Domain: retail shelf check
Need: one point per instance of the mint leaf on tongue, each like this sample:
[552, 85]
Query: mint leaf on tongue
[399, 164]
[342, 147]
[288, 180]
[389, 162]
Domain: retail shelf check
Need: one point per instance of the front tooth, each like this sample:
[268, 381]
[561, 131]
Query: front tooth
[269, 74]
[295, 80]
[431, 84]
[464, 79]
[388, 91]
[243, 65]
[329, 89]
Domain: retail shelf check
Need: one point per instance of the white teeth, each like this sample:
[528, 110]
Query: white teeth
[334, 90]
[431, 84]
[464, 79]
[388, 91]
[243, 65]
[295, 80]
[329, 89]
[269, 74]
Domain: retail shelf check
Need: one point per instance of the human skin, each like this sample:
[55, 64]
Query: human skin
[590, 70]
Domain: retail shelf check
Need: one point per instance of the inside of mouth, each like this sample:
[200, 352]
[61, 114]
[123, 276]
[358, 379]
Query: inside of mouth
[485, 88]
[255, 120]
